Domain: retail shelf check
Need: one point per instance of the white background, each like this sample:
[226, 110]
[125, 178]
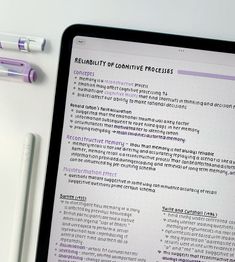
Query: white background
[28, 108]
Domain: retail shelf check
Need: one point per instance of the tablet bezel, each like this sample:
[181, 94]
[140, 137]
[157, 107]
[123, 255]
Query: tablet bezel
[60, 99]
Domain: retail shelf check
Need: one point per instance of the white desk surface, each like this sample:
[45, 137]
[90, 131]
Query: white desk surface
[28, 107]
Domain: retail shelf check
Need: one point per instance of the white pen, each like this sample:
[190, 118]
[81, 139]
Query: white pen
[21, 207]
[22, 43]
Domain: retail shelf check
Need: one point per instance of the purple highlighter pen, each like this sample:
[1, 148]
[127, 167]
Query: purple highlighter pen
[17, 70]
[22, 43]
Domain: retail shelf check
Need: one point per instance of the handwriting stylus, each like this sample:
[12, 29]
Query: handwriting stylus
[28, 149]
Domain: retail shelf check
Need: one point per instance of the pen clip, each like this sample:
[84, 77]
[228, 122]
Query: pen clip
[9, 61]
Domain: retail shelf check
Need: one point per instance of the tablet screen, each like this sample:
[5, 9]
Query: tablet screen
[146, 166]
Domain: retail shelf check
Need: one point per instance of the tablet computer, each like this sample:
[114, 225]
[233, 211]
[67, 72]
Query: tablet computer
[141, 162]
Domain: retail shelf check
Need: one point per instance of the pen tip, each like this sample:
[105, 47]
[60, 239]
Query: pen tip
[29, 141]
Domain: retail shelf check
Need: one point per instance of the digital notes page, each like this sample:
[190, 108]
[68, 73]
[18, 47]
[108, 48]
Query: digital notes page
[147, 161]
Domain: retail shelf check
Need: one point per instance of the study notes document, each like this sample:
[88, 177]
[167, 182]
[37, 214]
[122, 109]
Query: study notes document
[146, 169]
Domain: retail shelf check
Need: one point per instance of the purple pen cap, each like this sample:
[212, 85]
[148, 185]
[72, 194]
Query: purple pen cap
[19, 68]
[32, 76]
